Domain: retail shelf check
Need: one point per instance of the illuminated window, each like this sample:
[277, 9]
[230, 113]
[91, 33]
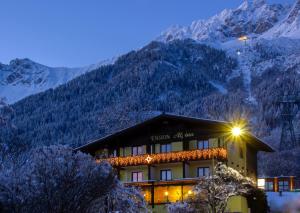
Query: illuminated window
[165, 147]
[137, 176]
[137, 150]
[202, 171]
[166, 174]
[283, 185]
[203, 144]
[261, 183]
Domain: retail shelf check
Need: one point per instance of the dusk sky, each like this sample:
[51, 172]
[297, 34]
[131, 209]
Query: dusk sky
[77, 33]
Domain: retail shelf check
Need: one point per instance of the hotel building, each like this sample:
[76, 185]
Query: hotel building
[166, 155]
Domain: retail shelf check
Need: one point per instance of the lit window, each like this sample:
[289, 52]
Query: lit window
[203, 144]
[166, 174]
[137, 176]
[283, 185]
[203, 171]
[261, 183]
[137, 150]
[165, 147]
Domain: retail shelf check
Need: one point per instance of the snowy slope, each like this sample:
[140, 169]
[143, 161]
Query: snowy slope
[250, 18]
[273, 32]
[23, 77]
[289, 26]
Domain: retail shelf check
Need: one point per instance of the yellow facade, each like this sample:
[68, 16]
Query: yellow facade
[237, 204]
[173, 193]
[125, 174]
[177, 146]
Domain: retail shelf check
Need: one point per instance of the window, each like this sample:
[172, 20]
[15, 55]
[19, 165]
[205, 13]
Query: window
[283, 185]
[165, 147]
[269, 186]
[137, 150]
[166, 174]
[203, 171]
[261, 183]
[113, 153]
[203, 144]
[136, 176]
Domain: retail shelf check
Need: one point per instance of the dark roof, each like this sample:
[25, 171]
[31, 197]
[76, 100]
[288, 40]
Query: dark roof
[258, 143]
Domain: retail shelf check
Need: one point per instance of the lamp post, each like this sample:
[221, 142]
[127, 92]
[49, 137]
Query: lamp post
[167, 196]
[235, 132]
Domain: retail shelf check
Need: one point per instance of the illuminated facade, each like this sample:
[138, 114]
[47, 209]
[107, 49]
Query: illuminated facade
[166, 155]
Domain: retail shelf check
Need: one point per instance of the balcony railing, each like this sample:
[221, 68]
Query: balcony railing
[169, 157]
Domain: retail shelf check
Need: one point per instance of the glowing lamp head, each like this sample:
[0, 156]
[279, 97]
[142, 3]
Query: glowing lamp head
[189, 192]
[236, 131]
[243, 38]
[166, 193]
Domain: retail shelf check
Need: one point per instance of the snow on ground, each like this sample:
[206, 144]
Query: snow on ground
[280, 203]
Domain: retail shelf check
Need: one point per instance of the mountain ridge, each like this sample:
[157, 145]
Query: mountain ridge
[251, 18]
[23, 77]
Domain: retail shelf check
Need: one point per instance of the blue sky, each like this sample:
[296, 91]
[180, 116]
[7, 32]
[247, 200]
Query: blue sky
[76, 33]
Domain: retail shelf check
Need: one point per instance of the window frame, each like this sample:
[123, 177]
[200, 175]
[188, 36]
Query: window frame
[139, 150]
[268, 184]
[137, 173]
[204, 143]
[166, 171]
[167, 149]
[285, 187]
[206, 169]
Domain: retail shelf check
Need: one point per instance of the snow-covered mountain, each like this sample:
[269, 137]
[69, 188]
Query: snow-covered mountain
[289, 26]
[252, 18]
[272, 33]
[23, 77]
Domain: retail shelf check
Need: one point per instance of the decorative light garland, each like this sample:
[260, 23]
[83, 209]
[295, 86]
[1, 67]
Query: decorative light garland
[169, 157]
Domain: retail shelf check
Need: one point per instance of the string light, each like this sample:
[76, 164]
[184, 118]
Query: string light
[180, 156]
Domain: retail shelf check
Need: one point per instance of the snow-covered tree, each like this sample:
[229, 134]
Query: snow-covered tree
[121, 199]
[181, 207]
[57, 179]
[4, 108]
[10, 145]
[212, 193]
[293, 206]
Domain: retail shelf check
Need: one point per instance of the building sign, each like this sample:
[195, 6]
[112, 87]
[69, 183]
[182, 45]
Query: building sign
[176, 136]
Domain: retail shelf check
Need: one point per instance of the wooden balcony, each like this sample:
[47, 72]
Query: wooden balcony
[170, 157]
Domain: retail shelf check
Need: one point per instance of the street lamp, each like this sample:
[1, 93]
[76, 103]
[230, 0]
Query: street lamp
[236, 131]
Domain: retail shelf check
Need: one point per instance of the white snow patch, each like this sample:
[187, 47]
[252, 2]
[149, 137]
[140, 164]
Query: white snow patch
[219, 87]
[279, 203]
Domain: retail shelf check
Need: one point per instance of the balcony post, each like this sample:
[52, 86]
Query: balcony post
[152, 195]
